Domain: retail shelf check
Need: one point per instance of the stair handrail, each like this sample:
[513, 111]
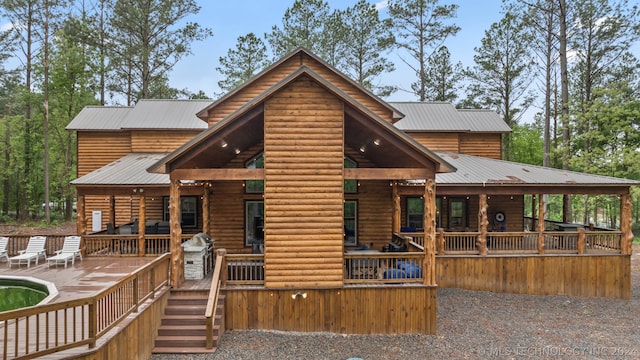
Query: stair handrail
[214, 294]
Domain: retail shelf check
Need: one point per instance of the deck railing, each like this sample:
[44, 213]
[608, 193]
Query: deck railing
[19, 242]
[45, 329]
[245, 269]
[389, 267]
[554, 242]
[127, 245]
[512, 242]
[461, 242]
[214, 295]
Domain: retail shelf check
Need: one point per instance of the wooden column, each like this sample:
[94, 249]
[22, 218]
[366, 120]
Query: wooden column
[142, 206]
[541, 216]
[81, 220]
[625, 224]
[483, 223]
[205, 209]
[112, 210]
[440, 242]
[429, 263]
[581, 241]
[142, 217]
[533, 212]
[177, 262]
[396, 209]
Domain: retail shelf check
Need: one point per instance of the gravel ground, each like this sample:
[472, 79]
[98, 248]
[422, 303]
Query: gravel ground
[471, 325]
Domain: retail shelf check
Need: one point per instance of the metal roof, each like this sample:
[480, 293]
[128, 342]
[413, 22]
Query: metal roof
[128, 170]
[167, 114]
[471, 171]
[432, 116]
[443, 116]
[474, 170]
[147, 114]
[100, 118]
[482, 120]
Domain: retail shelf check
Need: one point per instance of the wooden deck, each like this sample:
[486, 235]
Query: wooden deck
[85, 278]
[89, 278]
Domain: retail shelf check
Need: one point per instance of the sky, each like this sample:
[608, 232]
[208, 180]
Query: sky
[231, 19]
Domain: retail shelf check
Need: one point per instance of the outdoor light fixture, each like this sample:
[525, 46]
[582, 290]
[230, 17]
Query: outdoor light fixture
[299, 294]
[237, 151]
[363, 148]
[223, 144]
[376, 142]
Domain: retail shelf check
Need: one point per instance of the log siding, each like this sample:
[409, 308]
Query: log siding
[303, 197]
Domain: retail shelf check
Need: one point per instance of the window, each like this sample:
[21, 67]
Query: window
[188, 211]
[255, 186]
[457, 214]
[350, 222]
[350, 185]
[415, 213]
[254, 222]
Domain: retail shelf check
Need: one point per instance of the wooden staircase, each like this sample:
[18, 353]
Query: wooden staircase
[183, 328]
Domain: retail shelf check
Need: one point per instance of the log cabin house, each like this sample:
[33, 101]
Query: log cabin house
[338, 211]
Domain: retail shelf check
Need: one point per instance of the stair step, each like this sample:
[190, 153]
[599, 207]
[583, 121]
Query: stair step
[187, 300]
[184, 320]
[185, 310]
[181, 341]
[178, 350]
[183, 330]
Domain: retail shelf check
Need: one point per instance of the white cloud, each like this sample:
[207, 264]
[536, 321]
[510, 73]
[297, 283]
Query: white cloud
[382, 4]
[6, 27]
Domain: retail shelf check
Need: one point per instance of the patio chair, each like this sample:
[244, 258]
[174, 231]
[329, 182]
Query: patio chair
[3, 248]
[70, 250]
[35, 249]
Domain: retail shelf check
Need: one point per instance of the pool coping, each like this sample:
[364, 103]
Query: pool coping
[51, 287]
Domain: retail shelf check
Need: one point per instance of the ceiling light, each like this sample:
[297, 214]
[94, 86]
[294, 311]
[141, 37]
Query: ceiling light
[223, 144]
[376, 142]
[237, 151]
[363, 148]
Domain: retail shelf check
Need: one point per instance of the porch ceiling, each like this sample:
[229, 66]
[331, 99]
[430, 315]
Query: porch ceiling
[218, 150]
[380, 146]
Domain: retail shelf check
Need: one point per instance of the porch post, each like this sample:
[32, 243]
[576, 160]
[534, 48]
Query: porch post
[81, 221]
[533, 211]
[205, 209]
[177, 267]
[142, 206]
[625, 224]
[429, 263]
[396, 208]
[483, 222]
[142, 216]
[112, 210]
[541, 216]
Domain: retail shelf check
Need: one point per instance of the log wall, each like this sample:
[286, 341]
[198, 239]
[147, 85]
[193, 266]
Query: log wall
[261, 84]
[572, 275]
[481, 144]
[304, 187]
[159, 141]
[97, 149]
[437, 141]
[375, 213]
[388, 310]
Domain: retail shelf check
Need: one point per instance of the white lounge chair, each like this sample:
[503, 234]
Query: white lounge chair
[70, 250]
[3, 248]
[35, 249]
